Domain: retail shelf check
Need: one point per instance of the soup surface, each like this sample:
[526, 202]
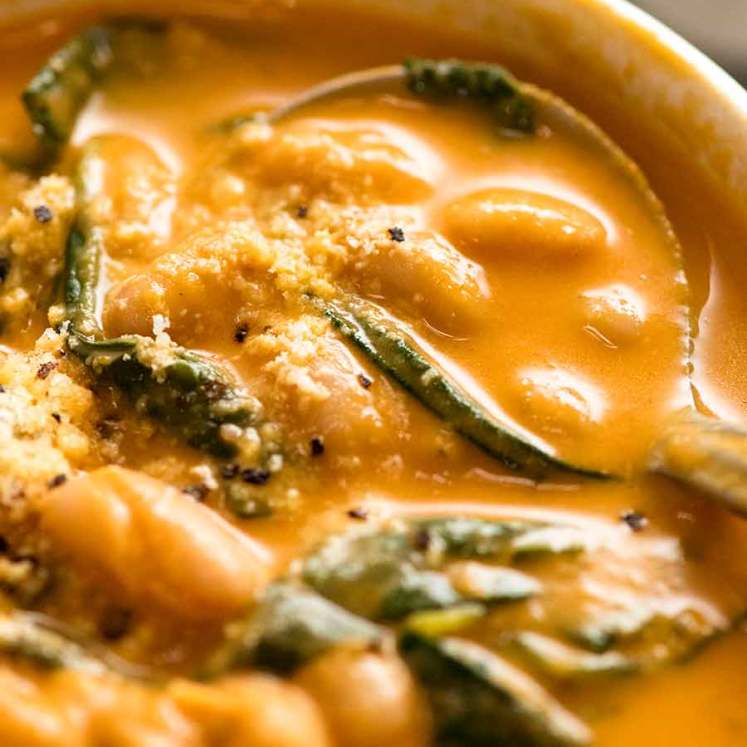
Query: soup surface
[334, 428]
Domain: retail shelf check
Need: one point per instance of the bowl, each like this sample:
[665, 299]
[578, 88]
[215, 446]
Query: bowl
[681, 117]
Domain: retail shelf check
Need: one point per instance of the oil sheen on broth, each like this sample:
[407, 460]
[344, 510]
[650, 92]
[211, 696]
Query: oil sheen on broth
[535, 269]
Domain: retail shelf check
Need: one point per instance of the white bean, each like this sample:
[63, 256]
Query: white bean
[155, 542]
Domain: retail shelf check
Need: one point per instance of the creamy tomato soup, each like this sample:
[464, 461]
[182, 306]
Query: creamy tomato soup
[355, 425]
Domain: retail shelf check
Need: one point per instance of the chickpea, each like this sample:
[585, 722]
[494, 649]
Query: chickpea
[26, 716]
[369, 699]
[138, 718]
[252, 711]
[132, 305]
[82, 710]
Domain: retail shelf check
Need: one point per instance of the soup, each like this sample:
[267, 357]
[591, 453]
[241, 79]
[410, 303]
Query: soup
[338, 425]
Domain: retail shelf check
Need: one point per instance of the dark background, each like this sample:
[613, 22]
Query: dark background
[717, 27]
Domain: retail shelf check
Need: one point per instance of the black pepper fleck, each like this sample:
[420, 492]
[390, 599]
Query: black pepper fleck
[241, 332]
[2, 389]
[45, 369]
[422, 540]
[255, 475]
[107, 427]
[115, 623]
[43, 214]
[359, 513]
[198, 491]
[317, 446]
[57, 480]
[229, 471]
[396, 234]
[4, 268]
[375, 646]
[302, 211]
[214, 390]
[56, 416]
[364, 381]
[635, 520]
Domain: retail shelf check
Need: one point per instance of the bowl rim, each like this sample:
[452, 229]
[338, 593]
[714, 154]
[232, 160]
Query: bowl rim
[624, 9]
[684, 49]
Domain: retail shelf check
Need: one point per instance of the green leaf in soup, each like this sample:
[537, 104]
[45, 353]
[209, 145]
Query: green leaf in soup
[472, 538]
[479, 700]
[291, 626]
[548, 540]
[416, 590]
[23, 637]
[491, 584]
[650, 637]
[388, 573]
[563, 662]
[488, 85]
[438, 623]
[357, 571]
[48, 644]
[57, 93]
